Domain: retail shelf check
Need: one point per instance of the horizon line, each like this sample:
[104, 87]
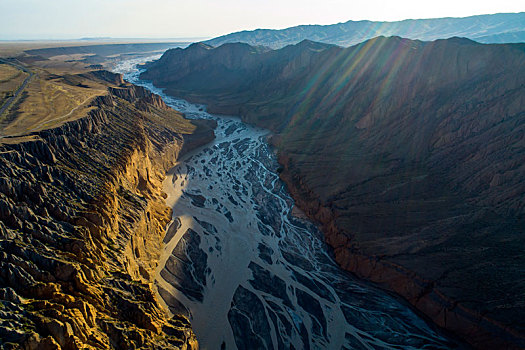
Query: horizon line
[208, 37]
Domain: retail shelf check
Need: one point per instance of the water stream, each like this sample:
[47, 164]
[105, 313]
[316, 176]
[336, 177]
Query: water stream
[248, 273]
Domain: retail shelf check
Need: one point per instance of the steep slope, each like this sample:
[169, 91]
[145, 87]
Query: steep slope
[82, 218]
[409, 153]
[496, 28]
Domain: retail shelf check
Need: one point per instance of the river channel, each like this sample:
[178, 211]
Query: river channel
[248, 273]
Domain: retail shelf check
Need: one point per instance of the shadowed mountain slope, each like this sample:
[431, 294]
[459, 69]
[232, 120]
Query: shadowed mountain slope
[411, 154]
[496, 28]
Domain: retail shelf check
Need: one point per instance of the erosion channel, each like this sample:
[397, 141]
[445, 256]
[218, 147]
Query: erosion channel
[248, 273]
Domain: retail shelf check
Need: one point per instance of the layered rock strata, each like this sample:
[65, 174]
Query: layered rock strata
[82, 219]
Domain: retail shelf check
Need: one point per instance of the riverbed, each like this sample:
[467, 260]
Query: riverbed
[248, 273]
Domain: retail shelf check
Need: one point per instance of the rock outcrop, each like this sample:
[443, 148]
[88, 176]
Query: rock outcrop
[409, 153]
[82, 219]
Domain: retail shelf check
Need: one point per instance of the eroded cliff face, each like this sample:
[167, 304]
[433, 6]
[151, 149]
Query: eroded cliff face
[82, 218]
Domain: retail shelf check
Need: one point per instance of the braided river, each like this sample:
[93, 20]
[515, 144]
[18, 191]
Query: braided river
[248, 273]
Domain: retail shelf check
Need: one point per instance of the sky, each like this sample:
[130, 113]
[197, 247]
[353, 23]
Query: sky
[73, 19]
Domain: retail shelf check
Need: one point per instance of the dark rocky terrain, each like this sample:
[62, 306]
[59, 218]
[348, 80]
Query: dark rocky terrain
[82, 219]
[410, 154]
[496, 28]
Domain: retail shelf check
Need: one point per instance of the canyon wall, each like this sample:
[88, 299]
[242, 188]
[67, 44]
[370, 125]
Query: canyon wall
[82, 218]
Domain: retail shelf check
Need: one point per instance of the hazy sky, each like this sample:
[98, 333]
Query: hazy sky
[66, 19]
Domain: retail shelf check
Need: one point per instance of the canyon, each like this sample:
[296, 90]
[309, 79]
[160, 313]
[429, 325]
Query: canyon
[408, 153]
[298, 195]
[96, 255]
[251, 275]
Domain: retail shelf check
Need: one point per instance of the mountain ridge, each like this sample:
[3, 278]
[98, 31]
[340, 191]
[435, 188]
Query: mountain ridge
[493, 28]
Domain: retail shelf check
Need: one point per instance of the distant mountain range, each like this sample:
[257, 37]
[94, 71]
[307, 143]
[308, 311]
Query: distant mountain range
[496, 28]
[410, 153]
